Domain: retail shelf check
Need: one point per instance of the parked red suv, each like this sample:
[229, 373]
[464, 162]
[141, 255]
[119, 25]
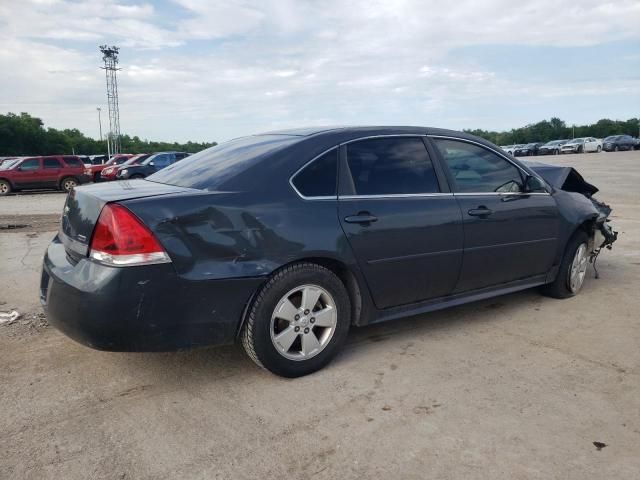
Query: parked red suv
[57, 171]
[117, 159]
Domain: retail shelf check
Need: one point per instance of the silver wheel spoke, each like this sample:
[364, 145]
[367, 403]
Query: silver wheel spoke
[310, 344]
[285, 339]
[325, 317]
[294, 317]
[310, 296]
[286, 310]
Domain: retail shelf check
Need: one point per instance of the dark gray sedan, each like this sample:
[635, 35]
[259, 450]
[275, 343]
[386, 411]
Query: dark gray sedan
[283, 241]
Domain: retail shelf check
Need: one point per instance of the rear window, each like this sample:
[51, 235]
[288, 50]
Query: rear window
[211, 168]
[73, 162]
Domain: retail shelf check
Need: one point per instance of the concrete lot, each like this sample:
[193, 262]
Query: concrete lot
[515, 387]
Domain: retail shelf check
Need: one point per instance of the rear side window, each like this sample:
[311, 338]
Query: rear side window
[318, 179]
[30, 164]
[51, 163]
[73, 162]
[478, 170]
[390, 166]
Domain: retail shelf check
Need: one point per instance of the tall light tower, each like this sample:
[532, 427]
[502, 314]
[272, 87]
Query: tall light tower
[110, 58]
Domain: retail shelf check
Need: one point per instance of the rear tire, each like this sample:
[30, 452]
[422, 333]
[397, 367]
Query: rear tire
[5, 188]
[68, 183]
[281, 332]
[599, 149]
[575, 257]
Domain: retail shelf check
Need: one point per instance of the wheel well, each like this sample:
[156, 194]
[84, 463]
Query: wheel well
[72, 177]
[347, 278]
[345, 275]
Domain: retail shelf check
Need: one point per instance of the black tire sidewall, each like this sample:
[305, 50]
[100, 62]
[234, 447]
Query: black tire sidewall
[9, 189]
[560, 287]
[265, 304]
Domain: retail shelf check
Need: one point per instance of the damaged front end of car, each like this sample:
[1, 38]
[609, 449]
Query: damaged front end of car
[578, 207]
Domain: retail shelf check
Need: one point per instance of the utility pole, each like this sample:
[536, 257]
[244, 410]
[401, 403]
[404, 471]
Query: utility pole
[110, 58]
[100, 120]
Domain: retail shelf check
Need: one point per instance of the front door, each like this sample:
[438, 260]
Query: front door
[405, 230]
[27, 174]
[509, 234]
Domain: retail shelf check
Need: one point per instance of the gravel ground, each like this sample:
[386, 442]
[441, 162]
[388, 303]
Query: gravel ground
[519, 386]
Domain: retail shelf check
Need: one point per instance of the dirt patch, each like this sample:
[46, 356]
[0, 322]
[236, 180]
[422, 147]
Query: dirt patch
[29, 223]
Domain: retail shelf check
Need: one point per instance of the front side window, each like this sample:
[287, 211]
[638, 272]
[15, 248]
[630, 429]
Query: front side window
[318, 179]
[478, 170]
[30, 164]
[51, 163]
[161, 161]
[391, 166]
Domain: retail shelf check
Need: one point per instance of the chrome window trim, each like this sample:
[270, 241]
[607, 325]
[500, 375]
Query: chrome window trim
[409, 195]
[500, 154]
[319, 197]
[394, 195]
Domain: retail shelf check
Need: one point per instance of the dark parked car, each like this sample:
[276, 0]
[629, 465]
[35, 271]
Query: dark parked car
[618, 142]
[552, 147]
[283, 241]
[63, 172]
[527, 150]
[151, 165]
[111, 171]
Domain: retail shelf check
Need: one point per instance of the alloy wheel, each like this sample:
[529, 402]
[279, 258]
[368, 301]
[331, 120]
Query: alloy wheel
[303, 322]
[68, 185]
[578, 268]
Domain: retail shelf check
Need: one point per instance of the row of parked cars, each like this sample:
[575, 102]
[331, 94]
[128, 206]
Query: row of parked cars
[613, 143]
[64, 172]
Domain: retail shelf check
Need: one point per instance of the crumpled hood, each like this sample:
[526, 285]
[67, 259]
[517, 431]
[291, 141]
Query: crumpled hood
[564, 178]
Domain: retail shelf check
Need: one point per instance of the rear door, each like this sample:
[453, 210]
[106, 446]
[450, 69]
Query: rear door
[508, 234]
[28, 173]
[51, 168]
[400, 219]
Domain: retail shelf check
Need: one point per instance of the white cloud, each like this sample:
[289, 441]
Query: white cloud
[243, 65]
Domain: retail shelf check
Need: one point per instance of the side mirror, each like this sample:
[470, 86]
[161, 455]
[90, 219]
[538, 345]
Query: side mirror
[151, 163]
[534, 184]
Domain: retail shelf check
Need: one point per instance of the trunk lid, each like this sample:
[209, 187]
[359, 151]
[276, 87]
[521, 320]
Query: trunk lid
[84, 204]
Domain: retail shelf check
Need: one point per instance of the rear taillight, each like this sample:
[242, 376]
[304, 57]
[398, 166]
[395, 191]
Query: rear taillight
[120, 239]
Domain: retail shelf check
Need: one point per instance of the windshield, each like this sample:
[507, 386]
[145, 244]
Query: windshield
[611, 138]
[575, 140]
[211, 168]
[133, 160]
[7, 164]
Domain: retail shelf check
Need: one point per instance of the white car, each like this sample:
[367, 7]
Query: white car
[510, 149]
[582, 145]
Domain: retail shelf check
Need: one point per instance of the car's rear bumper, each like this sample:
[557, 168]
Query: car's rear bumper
[144, 308]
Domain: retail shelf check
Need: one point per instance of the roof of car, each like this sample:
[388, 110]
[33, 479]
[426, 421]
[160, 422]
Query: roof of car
[365, 129]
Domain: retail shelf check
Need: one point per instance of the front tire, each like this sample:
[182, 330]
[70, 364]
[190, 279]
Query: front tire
[298, 321]
[573, 268]
[599, 149]
[5, 188]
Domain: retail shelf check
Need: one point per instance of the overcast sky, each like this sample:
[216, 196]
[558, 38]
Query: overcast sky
[214, 70]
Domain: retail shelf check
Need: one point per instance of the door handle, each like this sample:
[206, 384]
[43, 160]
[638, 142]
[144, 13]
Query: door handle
[481, 211]
[362, 217]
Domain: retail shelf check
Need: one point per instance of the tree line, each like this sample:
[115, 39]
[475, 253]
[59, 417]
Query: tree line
[557, 129]
[22, 135]
[26, 135]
